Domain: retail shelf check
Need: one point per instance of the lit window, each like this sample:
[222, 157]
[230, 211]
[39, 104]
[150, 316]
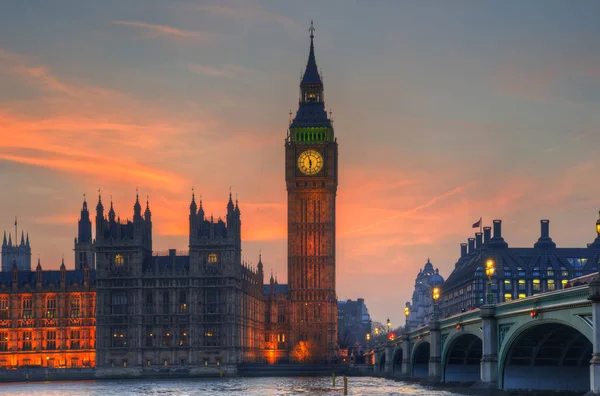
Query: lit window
[551, 285]
[119, 259]
[522, 295]
[507, 285]
[564, 272]
[536, 285]
[507, 297]
[563, 283]
[212, 258]
[522, 285]
[549, 272]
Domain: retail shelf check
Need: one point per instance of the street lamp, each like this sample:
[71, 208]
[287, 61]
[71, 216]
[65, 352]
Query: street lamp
[368, 337]
[436, 297]
[388, 325]
[598, 226]
[490, 268]
[406, 313]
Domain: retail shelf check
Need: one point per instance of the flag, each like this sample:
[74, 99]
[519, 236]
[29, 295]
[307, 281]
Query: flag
[477, 224]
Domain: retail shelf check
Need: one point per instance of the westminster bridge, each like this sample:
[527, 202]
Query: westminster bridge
[550, 341]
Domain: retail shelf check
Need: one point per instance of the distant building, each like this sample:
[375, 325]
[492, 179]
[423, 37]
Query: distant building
[47, 318]
[17, 253]
[354, 322]
[421, 309]
[519, 272]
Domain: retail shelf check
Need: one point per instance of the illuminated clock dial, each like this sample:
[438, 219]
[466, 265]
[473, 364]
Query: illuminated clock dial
[310, 162]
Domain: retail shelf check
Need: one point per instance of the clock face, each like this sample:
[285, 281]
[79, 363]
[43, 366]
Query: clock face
[310, 162]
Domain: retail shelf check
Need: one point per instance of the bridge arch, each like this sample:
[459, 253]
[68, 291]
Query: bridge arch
[461, 357]
[546, 355]
[397, 362]
[420, 360]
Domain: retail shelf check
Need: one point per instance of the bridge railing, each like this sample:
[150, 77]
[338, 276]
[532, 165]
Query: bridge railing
[543, 301]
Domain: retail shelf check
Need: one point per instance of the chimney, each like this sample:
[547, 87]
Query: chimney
[478, 237]
[487, 234]
[545, 241]
[545, 228]
[497, 228]
[463, 250]
[471, 245]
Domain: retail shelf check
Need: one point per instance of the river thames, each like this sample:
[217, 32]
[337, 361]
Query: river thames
[265, 386]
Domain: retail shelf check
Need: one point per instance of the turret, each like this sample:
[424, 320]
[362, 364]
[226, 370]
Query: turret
[38, 270]
[111, 212]
[137, 209]
[147, 213]
[63, 274]
[22, 239]
[4, 240]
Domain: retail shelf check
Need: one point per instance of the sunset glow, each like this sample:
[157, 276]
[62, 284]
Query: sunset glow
[437, 126]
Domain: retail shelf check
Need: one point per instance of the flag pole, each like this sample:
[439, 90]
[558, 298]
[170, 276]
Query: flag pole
[16, 233]
[481, 225]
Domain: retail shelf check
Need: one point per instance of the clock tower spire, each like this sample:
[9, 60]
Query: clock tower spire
[311, 178]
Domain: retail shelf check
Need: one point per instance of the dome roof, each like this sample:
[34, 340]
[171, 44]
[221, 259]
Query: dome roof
[436, 279]
[428, 267]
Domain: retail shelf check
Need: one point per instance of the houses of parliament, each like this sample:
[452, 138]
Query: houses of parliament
[128, 308]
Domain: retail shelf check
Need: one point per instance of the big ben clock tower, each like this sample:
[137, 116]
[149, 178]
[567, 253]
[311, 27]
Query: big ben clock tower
[311, 173]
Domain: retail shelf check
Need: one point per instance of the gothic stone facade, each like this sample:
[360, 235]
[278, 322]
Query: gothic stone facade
[47, 318]
[201, 309]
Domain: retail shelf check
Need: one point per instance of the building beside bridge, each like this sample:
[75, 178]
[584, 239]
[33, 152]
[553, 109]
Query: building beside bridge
[421, 308]
[519, 272]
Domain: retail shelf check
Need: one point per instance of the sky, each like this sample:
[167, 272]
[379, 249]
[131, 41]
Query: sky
[444, 112]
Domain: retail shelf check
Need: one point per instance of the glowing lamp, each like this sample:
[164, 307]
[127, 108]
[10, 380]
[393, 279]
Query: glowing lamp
[376, 331]
[436, 293]
[406, 311]
[533, 314]
[598, 226]
[490, 268]
[459, 326]
[368, 336]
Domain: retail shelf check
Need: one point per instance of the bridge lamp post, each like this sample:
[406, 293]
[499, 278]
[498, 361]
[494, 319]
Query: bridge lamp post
[368, 337]
[406, 313]
[436, 297]
[490, 268]
[388, 325]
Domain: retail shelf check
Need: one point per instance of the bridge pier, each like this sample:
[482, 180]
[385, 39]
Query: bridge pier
[405, 369]
[435, 353]
[489, 361]
[594, 297]
[389, 361]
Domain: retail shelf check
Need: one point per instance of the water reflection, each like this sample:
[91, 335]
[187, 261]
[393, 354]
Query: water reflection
[227, 386]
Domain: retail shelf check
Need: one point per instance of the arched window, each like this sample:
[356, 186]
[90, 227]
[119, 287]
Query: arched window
[119, 260]
[212, 258]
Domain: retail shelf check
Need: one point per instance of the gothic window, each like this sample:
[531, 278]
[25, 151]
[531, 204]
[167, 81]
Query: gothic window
[183, 336]
[51, 339]
[213, 302]
[522, 285]
[3, 341]
[119, 337]
[536, 285]
[211, 336]
[149, 305]
[51, 307]
[507, 297]
[281, 314]
[119, 260]
[27, 341]
[4, 313]
[549, 272]
[182, 302]
[75, 307]
[27, 304]
[212, 258]
[166, 302]
[119, 303]
[166, 335]
[551, 285]
[149, 336]
[75, 337]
